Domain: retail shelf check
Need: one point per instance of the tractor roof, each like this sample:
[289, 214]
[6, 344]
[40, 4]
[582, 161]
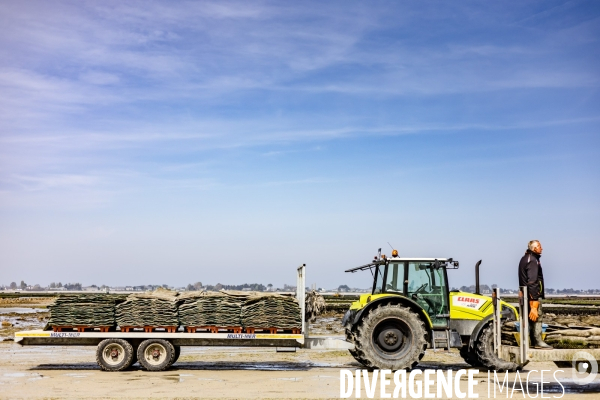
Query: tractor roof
[382, 261]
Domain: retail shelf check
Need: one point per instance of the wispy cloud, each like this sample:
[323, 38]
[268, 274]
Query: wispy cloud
[90, 88]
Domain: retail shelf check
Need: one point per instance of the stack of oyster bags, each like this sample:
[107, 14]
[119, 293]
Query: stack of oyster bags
[558, 336]
[220, 309]
[86, 309]
[271, 311]
[157, 308]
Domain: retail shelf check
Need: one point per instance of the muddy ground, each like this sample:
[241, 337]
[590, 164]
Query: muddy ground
[71, 373]
[203, 372]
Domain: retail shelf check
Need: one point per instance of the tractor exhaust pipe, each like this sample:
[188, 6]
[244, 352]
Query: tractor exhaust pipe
[477, 291]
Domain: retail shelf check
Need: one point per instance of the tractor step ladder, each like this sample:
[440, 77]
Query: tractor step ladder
[440, 339]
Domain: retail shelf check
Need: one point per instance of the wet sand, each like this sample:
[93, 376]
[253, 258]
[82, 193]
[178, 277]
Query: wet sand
[71, 373]
[210, 372]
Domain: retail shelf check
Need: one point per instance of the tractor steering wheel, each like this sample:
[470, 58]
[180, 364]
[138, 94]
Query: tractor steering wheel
[420, 289]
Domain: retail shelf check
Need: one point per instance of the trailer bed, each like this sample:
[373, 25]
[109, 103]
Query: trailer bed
[49, 338]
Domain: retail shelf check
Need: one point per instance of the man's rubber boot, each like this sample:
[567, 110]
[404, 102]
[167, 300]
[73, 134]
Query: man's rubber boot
[536, 336]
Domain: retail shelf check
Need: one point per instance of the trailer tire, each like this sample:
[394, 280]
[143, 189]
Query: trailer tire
[114, 355]
[135, 356]
[156, 354]
[177, 354]
[486, 356]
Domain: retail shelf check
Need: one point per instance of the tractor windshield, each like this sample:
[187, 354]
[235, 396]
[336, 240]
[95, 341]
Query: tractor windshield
[427, 286]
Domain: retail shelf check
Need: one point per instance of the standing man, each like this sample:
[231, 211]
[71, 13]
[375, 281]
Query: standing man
[532, 276]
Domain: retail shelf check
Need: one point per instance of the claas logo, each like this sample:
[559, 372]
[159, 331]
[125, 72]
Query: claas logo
[468, 299]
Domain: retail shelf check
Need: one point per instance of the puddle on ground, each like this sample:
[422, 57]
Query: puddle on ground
[255, 366]
[569, 385]
[43, 351]
[58, 367]
[177, 378]
[29, 376]
[78, 375]
[171, 378]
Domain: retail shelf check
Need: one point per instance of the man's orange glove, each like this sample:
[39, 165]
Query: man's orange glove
[533, 314]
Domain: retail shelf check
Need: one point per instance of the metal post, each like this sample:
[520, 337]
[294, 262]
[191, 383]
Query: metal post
[524, 322]
[301, 296]
[477, 289]
[497, 322]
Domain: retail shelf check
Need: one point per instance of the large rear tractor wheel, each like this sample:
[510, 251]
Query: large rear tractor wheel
[485, 355]
[351, 338]
[469, 356]
[392, 337]
[114, 355]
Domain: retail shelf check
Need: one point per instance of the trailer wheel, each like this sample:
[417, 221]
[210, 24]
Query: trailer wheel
[156, 354]
[177, 353]
[135, 355]
[114, 355]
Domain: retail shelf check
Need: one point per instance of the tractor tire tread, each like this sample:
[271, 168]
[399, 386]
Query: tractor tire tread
[365, 352]
[469, 357]
[485, 355]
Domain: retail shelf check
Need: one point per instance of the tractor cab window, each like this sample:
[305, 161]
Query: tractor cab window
[378, 287]
[394, 282]
[427, 286]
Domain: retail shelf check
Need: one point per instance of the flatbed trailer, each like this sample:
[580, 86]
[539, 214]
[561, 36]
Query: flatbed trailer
[49, 338]
[158, 350]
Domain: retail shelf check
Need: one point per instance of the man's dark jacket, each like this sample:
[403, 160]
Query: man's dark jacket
[531, 275]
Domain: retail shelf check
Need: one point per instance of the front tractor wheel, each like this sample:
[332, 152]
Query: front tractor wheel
[485, 354]
[390, 337]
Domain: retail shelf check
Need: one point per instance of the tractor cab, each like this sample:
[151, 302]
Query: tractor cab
[423, 280]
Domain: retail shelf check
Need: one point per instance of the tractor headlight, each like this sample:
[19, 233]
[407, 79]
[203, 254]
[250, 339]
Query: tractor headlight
[508, 313]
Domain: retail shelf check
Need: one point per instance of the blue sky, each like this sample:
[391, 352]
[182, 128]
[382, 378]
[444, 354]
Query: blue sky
[175, 142]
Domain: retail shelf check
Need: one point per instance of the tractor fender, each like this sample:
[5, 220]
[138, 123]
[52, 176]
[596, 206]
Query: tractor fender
[413, 305]
[477, 331]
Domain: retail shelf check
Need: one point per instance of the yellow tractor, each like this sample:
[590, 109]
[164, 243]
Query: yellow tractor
[411, 308]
